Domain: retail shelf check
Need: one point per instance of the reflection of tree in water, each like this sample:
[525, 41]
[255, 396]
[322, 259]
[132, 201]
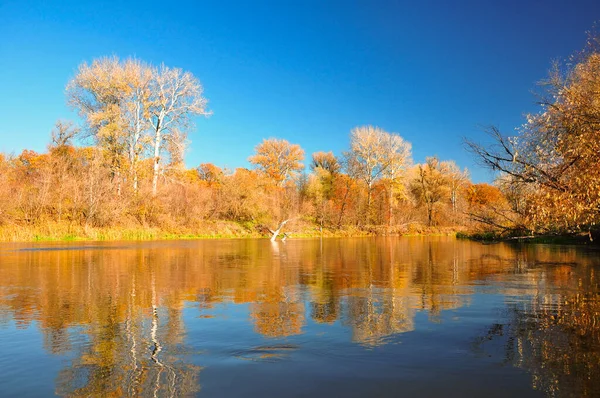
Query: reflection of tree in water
[121, 359]
[555, 337]
[327, 312]
[118, 312]
[278, 314]
[133, 354]
[373, 317]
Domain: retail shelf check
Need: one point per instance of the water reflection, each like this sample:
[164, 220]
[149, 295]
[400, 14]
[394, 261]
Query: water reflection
[555, 332]
[117, 311]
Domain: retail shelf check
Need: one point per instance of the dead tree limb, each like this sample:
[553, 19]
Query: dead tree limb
[275, 234]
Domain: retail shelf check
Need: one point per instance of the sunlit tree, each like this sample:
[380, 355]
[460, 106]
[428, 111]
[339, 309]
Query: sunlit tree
[557, 151]
[176, 96]
[430, 185]
[374, 154]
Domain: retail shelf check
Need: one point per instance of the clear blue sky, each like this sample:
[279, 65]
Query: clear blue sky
[306, 71]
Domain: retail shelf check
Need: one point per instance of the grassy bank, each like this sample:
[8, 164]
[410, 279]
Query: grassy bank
[66, 232]
[210, 230]
[48, 232]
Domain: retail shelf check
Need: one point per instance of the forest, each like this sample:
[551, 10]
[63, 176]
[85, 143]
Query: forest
[120, 173]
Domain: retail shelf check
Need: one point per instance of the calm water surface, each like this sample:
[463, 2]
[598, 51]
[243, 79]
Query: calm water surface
[401, 317]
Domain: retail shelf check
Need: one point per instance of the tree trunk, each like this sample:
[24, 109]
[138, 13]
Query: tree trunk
[368, 211]
[343, 206]
[134, 160]
[390, 207]
[429, 215]
[156, 161]
[133, 142]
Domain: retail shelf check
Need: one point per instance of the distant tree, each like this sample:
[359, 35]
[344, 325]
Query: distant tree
[325, 161]
[128, 105]
[457, 180]
[63, 133]
[278, 159]
[483, 194]
[326, 167]
[375, 153]
[210, 173]
[430, 186]
[397, 158]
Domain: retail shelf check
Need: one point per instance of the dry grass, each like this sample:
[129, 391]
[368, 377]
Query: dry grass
[53, 231]
[66, 232]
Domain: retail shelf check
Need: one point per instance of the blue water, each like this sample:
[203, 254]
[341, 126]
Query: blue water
[414, 317]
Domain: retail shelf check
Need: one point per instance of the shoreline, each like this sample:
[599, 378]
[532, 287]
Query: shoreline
[551, 239]
[57, 232]
[60, 232]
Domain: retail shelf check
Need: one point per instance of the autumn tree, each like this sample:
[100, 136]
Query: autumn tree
[375, 153]
[210, 173]
[397, 158]
[325, 161]
[64, 133]
[278, 159]
[6, 196]
[129, 105]
[489, 208]
[325, 168]
[518, 196]
[176, 96]
[64, 165]
[457, 179]
[557, 151]
[99, 92]
[138, 76]
[430, 185]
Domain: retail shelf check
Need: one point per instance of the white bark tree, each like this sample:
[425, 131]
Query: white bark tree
[396, 157]
[113, 98]
[138, 76]
[374, 154]
[176, 97]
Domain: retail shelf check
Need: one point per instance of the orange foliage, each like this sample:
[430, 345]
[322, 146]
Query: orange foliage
[278, 159]
[483, 194]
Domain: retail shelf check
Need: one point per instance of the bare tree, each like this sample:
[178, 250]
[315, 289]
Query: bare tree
[457, 179]
[63, 133]
[176, 96]
[139, 77]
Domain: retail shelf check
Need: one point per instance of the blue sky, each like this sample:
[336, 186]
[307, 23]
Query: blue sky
[306, 71]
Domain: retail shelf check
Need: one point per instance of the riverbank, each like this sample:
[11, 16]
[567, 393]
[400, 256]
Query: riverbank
[582, 238]
[53, 232]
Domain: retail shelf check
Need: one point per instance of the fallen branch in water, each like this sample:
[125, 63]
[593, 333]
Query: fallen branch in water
[275, 234]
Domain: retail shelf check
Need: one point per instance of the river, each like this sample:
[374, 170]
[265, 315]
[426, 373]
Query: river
[368, 317]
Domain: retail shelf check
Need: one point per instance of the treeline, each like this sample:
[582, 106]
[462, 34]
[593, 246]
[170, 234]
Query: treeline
[128, 172]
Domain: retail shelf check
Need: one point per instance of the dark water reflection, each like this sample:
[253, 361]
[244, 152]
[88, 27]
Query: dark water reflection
[338, 317]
